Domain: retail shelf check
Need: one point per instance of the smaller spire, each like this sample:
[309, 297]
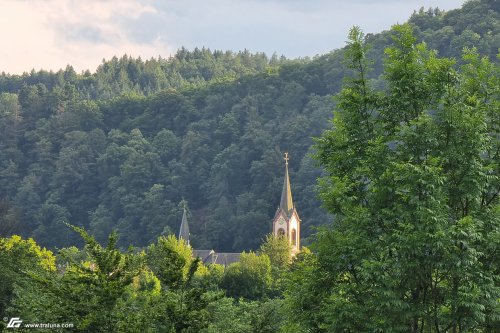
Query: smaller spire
[184, 230]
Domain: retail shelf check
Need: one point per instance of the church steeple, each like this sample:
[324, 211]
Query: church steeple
[184, 230]
[286, 222]
[286, 203]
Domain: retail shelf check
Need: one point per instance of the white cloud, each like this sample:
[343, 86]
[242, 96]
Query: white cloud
[49, 34]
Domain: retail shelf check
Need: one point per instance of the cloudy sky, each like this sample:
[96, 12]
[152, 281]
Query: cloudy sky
[49, 34]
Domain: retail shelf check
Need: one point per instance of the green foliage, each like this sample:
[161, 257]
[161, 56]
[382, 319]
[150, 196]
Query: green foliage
[172, 261]
[87, 293]
[249, 278]
[187, 284]
[411, 178]
[9, 219]
[18, 259]
[279, 251]
[138, 309]
[476, 24]
[242, 316]
[305, 288]
[105, 290]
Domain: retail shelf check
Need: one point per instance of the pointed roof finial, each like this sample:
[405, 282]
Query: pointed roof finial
[184, 229]
[286, 203]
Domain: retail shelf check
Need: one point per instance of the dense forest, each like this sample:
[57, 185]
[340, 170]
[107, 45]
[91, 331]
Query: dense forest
[127, 161]
[120, 148]
[397, 188]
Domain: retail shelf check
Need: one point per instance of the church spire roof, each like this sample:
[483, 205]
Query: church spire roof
[286, 203]
[184, 230]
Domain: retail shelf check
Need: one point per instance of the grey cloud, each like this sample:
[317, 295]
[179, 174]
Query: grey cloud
[85, 33]
[290, 27]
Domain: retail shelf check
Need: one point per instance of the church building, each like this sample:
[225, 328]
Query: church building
[286, 223]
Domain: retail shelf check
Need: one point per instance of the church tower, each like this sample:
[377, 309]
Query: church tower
[286, 222]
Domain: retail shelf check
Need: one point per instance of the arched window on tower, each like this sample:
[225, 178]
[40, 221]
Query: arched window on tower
[294, 237]
[281, 232]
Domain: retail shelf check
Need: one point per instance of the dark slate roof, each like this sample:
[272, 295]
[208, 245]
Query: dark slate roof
[212, 257]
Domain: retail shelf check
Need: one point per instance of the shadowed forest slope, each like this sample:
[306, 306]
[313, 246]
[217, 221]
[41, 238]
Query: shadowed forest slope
[121, 147]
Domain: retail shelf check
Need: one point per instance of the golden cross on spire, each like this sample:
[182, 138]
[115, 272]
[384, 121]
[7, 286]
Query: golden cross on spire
[286, 158]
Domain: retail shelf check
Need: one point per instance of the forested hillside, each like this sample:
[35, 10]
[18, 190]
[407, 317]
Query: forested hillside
[120, 148]
[408, 168]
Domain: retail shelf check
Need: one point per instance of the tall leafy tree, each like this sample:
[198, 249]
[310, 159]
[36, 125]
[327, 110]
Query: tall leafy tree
[409, 170]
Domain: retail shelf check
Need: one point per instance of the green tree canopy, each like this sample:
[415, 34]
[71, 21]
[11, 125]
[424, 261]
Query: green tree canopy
[412, 178]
